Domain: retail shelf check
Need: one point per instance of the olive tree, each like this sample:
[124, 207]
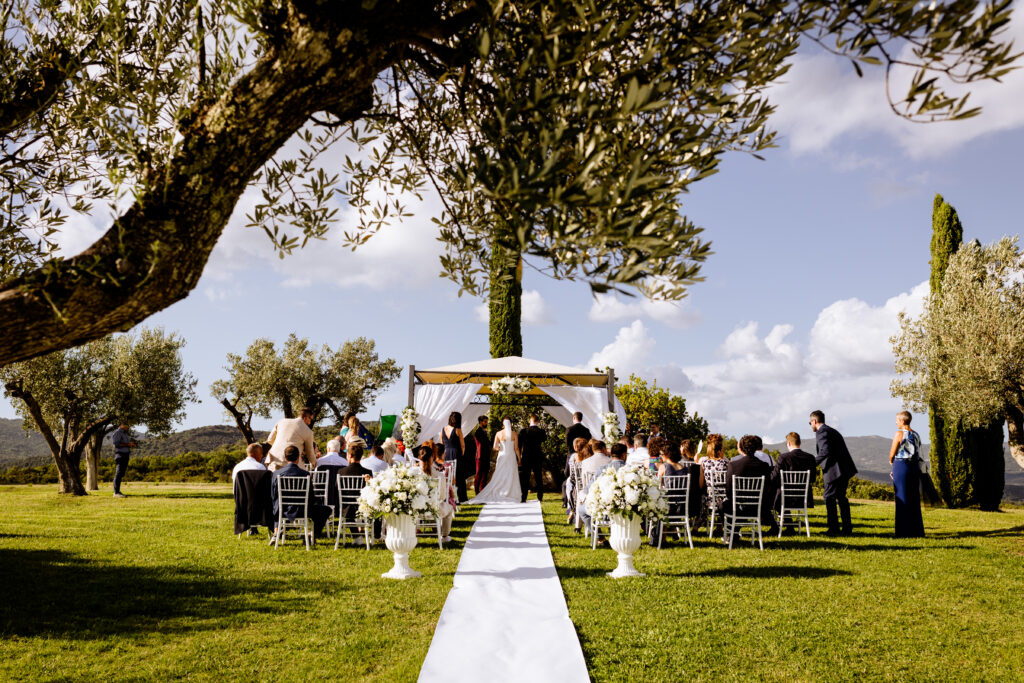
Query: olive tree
[965, 354]
[264, 381]
[72, 398]
[561, 132]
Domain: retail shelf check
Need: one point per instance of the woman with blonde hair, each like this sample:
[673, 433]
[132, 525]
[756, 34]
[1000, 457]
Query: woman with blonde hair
[391, 454]
[714, 461]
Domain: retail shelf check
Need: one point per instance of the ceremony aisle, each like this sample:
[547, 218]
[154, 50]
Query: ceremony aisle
[505, 618]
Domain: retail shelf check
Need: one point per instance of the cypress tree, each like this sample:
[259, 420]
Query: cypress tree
[505, 313]
[950, 464]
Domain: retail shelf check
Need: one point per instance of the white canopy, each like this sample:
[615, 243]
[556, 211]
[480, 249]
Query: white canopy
[437, 392]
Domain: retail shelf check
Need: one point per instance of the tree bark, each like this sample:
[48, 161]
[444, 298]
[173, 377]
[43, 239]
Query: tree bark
[92, 461]
[1015, 430]
[243, 422]
[156, 251]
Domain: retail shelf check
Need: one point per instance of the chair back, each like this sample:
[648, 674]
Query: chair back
[587, 478]
[746, 494]
[677, 490]
[795, 485]
[293, 492]
[349, 488]
[320, 479]
[716, 485]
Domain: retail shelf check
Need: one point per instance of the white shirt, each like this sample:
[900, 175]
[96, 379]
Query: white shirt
[374, 464]
[332, 458]
[398, 458]
[247, 464]
[639, 456]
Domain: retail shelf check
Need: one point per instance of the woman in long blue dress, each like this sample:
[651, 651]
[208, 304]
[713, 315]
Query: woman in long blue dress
[905, 458]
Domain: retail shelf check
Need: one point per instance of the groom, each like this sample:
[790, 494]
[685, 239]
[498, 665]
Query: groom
[531, 440]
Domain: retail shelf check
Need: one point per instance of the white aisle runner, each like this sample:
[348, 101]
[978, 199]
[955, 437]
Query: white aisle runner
[505, 618]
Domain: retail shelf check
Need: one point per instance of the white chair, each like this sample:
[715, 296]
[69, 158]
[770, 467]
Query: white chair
[292, 492]
[586, 479]
[746, 509]
[796, 486]
[449, 479]
[434, 521]
[577, 484]
[677, 494]
[349, 489]
[320, 482]
[716, 494]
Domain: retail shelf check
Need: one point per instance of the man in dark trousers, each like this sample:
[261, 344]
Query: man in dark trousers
[794, 460]
[576, 431]
[122, 451]
[355, 469]
[837, 465]
[749, 465]
[531, 442]
[479, 447]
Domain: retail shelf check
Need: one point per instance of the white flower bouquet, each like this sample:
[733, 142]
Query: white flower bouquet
[410, 426]
[628, 491]
[399, 490]
[611, 427]
[510, 385]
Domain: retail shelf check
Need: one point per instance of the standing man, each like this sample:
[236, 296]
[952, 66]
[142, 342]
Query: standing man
[531, 441]
[576, 431]
[654, 431]
[480, 449]
[296, 432]
[837, 465]
[122, 451]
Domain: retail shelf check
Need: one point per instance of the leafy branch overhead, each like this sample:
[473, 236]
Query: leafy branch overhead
[567, 131]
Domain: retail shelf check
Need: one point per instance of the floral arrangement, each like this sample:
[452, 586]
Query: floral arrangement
[611, 427]
[628, 491]
[399, 490]
[410, 426]
[510, 385]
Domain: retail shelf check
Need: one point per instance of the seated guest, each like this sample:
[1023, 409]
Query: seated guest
[764, 457]
[619, 453]
[391, 454]
[356, 469]
[714, 461]
[317, 512]
[253, 460]
[749, 465]
[333, 457]
[795, 460]
[639, 455]
[583, 453]
[446, 511]
[686, 451]
[671, 463]
[598, 461]
[375, 463]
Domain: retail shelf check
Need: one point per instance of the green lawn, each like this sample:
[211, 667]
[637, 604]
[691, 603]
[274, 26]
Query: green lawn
[156, 587]
[947, 607]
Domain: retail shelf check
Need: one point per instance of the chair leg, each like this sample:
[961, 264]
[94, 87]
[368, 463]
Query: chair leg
[760, 541]
[782, 519]
[689, 536]
[730, 530]
[711, 524]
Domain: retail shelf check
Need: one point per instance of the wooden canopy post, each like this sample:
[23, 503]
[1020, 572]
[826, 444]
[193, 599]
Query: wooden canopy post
[412, 385]
[611, 391]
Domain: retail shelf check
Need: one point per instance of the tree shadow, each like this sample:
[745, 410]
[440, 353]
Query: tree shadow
[69, 596]
[989, 533]
[772, 572]
[204, 495]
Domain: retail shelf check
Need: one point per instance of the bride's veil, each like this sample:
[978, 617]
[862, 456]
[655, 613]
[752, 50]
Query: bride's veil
[508, 430]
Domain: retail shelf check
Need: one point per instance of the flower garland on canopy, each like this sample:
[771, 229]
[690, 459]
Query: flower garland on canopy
[611, 427]
[410, 426]
[510, 385]
[628, 491]
[399, 490]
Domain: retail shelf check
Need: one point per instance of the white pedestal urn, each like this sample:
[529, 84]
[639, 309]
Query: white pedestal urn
[624, 540]
[400, 538]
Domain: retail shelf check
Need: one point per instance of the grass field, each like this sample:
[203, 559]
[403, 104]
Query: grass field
[947, 607]
[155, 587]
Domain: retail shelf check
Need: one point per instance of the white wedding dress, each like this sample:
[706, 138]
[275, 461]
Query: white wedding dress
[504, 485]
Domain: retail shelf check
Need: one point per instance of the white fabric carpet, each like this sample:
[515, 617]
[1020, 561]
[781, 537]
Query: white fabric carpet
[505, 618]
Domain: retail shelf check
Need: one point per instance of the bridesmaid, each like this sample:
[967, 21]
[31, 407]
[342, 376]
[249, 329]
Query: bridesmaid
[905, 456]
[451, 436]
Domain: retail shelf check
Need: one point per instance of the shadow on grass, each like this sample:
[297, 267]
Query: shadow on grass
[205, 495]
[1009, 531]
[67, 595]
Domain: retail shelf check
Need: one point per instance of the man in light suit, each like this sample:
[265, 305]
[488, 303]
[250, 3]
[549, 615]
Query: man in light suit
[296, 432]
[837, 465]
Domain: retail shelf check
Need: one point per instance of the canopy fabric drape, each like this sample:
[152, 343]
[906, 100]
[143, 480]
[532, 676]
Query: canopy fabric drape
[471, 413]
[561, 415]
[435, 402]
[591, 401]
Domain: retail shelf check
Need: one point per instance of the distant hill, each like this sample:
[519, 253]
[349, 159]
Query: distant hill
[871, 454]
[19, 446]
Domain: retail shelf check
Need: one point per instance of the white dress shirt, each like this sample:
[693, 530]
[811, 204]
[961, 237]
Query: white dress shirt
[639, 456]
[332, 458]
[247, 464]
[374, 464]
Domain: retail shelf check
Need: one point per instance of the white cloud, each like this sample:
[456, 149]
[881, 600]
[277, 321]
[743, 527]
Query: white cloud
[612, 308]
[822, 101]
[536, 311]
[766, 383]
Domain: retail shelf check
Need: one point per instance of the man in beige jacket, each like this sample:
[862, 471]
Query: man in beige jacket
[296, 432]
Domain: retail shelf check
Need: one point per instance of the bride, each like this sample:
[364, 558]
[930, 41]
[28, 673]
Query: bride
[504, 485]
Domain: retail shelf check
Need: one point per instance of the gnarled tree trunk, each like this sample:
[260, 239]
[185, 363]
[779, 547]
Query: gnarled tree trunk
[92, 461]
[243, 422]
[1015, 429]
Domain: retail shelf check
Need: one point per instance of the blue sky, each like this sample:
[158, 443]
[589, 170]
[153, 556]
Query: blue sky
[816, 250]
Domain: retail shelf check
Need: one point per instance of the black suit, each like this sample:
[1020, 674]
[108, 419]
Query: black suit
[531, 442]
[837, 465]
[750, 466]
[317, 512]
[348, 512]
[795, 460]
[576, 431]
